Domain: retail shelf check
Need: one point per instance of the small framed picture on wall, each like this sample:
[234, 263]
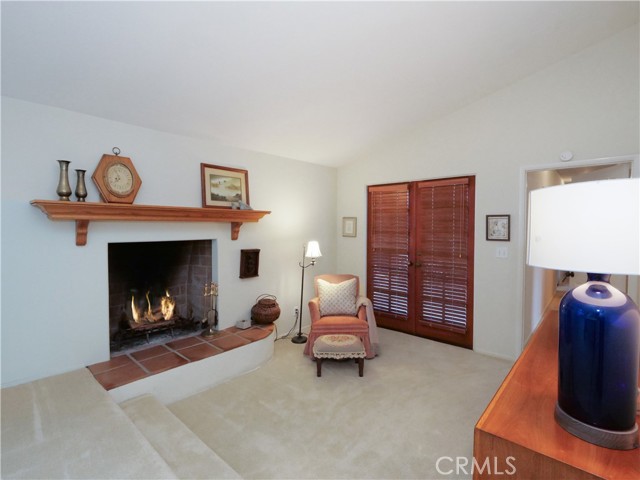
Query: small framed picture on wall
[499, 228]
[349, 226]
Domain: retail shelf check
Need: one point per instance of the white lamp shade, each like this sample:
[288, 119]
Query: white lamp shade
[313, 250]
[591, 227]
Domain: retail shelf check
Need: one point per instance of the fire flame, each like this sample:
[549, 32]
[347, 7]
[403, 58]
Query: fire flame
[165, 312]
[149, 312]
[134, 310]
[167, 304]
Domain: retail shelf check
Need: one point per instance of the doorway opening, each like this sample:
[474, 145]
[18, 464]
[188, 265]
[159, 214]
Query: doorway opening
[541, 286]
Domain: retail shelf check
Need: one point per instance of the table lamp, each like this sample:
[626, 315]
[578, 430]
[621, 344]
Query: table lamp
[593, 227]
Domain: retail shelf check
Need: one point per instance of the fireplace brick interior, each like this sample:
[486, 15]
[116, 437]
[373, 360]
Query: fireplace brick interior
[140, 274]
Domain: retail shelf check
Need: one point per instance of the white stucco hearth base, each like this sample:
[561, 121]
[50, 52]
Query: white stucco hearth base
[178, 383]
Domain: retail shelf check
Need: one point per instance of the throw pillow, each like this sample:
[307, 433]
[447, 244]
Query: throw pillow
[337, 298]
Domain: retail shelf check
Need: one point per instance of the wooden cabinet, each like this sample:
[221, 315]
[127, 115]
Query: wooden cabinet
[518, 427]
[85, 212]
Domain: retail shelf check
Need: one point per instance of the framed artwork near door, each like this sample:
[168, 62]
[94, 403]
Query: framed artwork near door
[349, 226]
[499, 228]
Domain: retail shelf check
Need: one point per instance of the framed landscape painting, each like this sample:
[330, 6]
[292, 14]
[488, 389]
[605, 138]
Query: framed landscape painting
[222, 187]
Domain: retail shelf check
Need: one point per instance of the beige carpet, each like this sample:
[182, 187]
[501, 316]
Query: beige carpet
[183, 451]
[67, 426]
[418, 401]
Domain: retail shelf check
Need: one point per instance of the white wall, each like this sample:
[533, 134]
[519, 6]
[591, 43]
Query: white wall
[588, 103]
[541, 282]
[54, 294]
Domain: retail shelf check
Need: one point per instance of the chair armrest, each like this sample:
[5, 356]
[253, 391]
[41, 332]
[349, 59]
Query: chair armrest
[362, 313]
[314, 309]
[362, 308]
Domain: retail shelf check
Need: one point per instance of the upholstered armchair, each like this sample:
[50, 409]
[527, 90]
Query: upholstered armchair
[338, 308]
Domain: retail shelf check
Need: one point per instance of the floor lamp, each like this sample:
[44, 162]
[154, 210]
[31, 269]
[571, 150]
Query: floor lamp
[312, 252]
[593, 227]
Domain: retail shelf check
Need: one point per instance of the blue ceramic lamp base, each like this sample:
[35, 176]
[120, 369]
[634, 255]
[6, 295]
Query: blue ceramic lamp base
[598, 356]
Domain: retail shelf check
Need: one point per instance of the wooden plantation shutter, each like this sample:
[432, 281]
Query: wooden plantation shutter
[444, 248]
[388, 250]
[420, 257]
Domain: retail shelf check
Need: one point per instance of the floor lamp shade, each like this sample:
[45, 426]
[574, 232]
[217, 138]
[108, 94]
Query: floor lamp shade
[313, 250]
[593, 227]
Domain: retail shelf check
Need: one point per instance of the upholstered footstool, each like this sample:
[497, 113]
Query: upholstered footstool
[338, 347]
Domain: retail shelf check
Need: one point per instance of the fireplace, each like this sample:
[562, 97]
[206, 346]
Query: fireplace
[156, 291]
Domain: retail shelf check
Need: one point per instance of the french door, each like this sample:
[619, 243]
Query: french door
[420, 257]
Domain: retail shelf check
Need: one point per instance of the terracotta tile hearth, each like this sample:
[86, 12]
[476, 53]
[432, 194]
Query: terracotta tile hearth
[129, 367]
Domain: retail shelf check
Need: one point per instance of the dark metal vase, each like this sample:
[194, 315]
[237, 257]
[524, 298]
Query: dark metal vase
[81, 188]
[64, 189]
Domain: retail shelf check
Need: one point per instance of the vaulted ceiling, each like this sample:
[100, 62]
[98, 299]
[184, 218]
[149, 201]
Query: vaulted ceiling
[316, 81]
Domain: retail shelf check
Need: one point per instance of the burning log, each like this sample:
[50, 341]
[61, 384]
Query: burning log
[154, 316]
[164, 312]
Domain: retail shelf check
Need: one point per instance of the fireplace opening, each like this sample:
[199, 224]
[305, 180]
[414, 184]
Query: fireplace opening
[156, 292]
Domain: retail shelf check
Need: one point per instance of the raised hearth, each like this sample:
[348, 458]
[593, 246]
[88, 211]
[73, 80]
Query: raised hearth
[130, 367]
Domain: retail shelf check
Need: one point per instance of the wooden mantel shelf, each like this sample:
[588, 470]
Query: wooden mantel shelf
[85, 212]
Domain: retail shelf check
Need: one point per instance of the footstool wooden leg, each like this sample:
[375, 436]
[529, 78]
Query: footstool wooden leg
[338, 347]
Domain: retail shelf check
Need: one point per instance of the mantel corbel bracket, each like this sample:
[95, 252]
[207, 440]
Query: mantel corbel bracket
[235, 230]
[82, 228]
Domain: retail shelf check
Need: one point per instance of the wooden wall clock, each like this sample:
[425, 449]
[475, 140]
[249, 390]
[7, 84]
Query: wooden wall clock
[116, 178]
